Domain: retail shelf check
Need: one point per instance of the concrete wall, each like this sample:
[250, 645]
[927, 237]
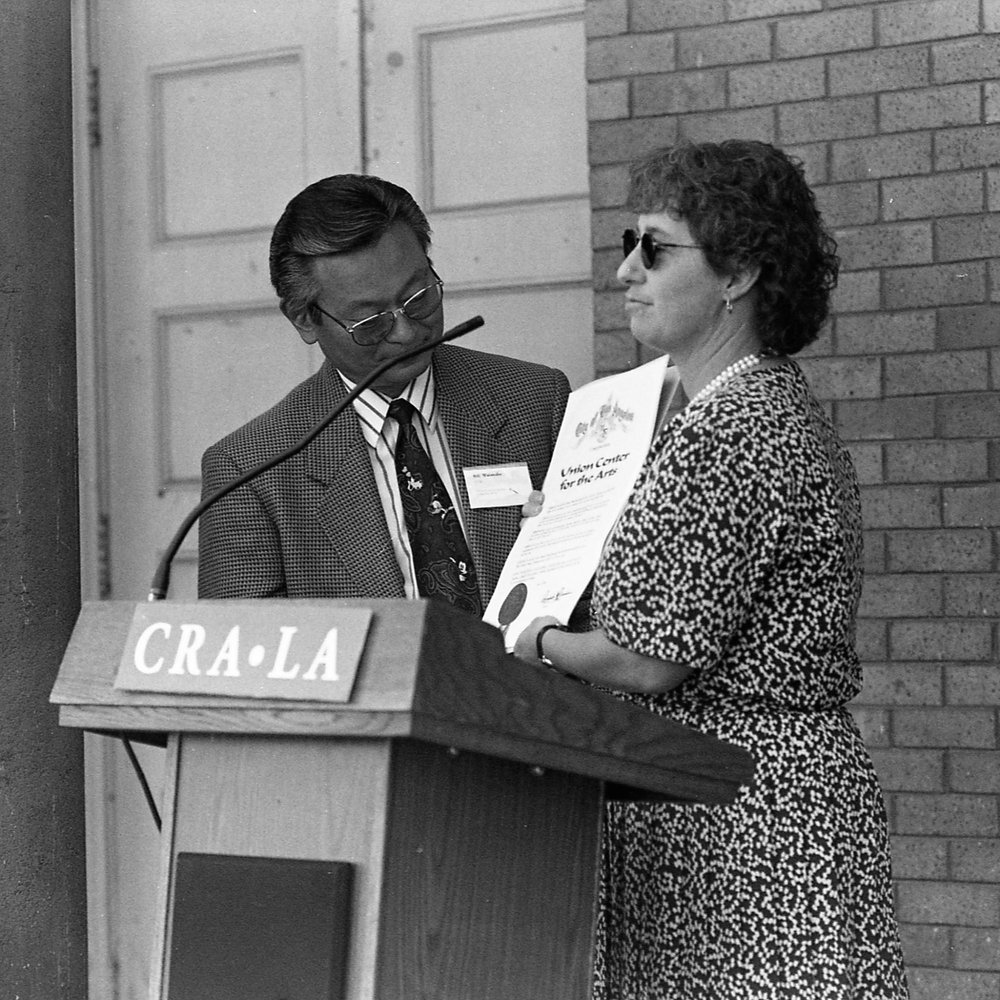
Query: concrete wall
[895, 109]
[42, 894]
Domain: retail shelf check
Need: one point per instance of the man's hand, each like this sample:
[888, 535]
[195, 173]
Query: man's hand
[532, 507]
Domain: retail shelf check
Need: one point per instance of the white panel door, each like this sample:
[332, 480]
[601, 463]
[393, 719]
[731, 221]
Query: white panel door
[479, 109]
[213, 114]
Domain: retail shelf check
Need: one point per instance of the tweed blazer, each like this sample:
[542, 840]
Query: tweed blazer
[313, 526]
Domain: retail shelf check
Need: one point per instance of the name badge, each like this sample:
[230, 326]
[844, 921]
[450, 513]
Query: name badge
[497, 485]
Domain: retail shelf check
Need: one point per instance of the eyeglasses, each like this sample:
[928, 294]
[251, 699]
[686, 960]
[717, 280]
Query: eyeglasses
[649, 247]
[373, 330]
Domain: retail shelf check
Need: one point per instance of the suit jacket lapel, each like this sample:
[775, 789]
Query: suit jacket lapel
[349, 509]
[475, 425]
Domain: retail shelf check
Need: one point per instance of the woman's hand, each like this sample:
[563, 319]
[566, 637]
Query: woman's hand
[592, 656]
[526, 648]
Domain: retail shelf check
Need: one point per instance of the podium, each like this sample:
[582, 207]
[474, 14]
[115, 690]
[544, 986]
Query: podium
[436, 837]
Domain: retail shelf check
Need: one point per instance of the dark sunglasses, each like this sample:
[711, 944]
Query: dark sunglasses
[649, 247]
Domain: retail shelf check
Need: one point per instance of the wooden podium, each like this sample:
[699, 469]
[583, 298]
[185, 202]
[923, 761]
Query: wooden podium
[434, 838]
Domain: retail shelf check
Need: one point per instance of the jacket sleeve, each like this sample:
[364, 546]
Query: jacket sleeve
[560, 397]
[239, 554]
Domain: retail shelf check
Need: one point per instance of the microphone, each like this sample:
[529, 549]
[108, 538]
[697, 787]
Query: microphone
[161, 578]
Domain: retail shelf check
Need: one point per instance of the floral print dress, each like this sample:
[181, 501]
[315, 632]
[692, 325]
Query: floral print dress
[739, 555]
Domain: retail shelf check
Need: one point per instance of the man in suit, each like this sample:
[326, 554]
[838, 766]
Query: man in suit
[349, 262]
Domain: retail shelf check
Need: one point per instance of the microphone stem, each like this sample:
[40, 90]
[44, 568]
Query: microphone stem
[161, 578]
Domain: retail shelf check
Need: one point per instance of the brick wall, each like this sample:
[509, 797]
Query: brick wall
[894, 107]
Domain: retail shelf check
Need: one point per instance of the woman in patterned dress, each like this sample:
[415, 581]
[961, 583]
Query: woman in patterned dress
[726, 600]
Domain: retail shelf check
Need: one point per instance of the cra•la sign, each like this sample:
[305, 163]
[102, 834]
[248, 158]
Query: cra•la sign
[244, 649]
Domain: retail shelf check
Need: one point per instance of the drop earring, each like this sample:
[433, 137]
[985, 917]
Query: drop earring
[729, 304]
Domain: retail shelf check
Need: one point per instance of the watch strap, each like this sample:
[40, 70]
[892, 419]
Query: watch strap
[538, 642]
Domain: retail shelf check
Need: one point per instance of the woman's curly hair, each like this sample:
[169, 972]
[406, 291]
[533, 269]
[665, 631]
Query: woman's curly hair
[747, 204]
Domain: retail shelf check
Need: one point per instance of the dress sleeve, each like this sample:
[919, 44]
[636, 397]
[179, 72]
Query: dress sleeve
[698, 541]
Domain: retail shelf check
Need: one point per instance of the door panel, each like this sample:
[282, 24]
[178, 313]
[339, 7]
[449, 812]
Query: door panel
[214, 113]
[481, 113]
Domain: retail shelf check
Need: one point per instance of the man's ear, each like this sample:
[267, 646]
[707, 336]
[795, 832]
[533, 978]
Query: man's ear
[741, 282]
[304, 323]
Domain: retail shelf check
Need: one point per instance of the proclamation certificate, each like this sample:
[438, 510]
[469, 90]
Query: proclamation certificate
[602, 443]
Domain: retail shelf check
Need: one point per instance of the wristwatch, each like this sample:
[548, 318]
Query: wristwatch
[538, 644]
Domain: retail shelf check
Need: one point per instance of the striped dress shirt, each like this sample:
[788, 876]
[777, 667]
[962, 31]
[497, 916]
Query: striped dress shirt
[380, 432]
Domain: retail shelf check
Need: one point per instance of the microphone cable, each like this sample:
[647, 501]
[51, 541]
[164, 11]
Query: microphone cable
[143, 783]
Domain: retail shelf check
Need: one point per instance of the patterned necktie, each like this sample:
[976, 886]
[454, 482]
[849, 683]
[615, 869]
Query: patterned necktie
[440, 553]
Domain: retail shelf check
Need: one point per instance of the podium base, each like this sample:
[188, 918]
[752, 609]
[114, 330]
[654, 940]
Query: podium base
[473, 876]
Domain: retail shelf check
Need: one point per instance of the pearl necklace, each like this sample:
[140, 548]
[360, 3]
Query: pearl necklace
[736, 368]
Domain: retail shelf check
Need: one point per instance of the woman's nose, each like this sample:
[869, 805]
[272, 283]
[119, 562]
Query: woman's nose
[627, 273]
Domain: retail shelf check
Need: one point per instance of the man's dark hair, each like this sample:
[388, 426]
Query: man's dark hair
[335, 215]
